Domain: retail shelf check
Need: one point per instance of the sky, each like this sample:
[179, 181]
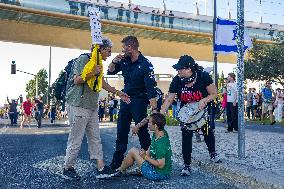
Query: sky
[32, 58]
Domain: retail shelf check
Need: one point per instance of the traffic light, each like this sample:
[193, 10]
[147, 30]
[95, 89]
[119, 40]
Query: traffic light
[21, 99]
[13, 67]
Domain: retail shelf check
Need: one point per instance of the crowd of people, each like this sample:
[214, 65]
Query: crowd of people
[157, 18]
[258, 105]
[29, 109]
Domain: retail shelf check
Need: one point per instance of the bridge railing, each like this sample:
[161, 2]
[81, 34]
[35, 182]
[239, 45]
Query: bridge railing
[127, 15]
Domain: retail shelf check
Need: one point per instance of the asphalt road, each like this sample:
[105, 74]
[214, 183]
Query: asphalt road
[35, 161]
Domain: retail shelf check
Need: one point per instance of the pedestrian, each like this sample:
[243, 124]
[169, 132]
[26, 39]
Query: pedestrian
[27, 111]
[128, 13]
[171, 19]
[224, 103]
[163, 19]
[120, 13]
[192, 84]
[155, 163]
[52, 114]
[136, 10]
[111, 108]
[13, 113]
[83, 8]
[82, 103]
[40, 107]
[278, 105]
[249, 108]
[267, 103]
[105, 11]
[102, 107]
[254, 103]
[232, 103]
[157, 18]
[153, 17]
[139, 84]
[174, 107]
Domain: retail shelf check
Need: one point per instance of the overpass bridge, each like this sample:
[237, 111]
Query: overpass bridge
[64, 23]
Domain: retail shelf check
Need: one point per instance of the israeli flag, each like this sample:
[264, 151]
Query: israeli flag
[226, 35]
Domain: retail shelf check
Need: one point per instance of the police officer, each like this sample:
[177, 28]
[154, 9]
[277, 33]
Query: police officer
[139, 84]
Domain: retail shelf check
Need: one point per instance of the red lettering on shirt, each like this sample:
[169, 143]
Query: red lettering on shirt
[191, 96]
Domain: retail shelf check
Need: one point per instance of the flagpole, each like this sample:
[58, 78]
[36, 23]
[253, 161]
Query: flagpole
[240, 81]
[49, 77]
[215, 58]
[260, 12]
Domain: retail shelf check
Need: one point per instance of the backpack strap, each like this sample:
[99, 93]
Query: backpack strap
[83, 87]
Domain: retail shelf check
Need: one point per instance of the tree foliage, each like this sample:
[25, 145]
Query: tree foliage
[266, 61]
[42, 85]
[221, 82]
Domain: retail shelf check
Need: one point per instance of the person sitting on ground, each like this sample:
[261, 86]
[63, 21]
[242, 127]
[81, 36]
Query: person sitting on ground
[155, 163]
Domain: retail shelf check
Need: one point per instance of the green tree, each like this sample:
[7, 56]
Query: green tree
[42, 85]
[265, 61]
[221, 81]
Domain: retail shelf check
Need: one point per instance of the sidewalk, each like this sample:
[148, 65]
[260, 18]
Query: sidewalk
[263, 166]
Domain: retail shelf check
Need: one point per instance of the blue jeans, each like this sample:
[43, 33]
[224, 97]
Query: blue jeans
[150, 172]
[136, 110]
[175, 112]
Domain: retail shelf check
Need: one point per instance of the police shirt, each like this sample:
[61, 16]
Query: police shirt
[139, 79]
[191, 94]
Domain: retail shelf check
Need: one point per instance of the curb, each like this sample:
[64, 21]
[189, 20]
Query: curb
[234, 176]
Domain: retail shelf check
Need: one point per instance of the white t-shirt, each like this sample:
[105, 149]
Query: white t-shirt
[254, 99]
[231, 92]
[279, 97]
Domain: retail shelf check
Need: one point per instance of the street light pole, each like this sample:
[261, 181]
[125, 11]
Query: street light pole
[240, 82]
[36, 86]
[49, 77]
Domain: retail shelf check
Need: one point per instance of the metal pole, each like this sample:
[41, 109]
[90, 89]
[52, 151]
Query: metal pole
[240, 81]
[260, 12]
[215, 70]
[36, 86]
[206, 7]
[49, 77]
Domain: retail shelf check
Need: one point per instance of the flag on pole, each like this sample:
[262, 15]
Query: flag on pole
[226, 37]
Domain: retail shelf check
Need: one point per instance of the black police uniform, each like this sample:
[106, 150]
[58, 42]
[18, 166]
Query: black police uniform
[139, 84]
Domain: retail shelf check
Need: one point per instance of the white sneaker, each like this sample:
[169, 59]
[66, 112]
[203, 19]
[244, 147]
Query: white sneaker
[186, 171]
[215, 158]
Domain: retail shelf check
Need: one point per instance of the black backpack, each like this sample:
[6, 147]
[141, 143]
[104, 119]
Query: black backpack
[64, 82]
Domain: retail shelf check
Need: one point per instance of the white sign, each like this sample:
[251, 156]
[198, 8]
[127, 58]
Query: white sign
[95, 23]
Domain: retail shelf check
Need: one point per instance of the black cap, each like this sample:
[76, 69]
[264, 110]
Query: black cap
[184, 62]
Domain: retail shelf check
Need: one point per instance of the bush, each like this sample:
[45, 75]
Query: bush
[171, 121]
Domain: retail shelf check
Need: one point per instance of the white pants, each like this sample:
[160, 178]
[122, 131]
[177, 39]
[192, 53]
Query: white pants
[278, 113]
[82, 120]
